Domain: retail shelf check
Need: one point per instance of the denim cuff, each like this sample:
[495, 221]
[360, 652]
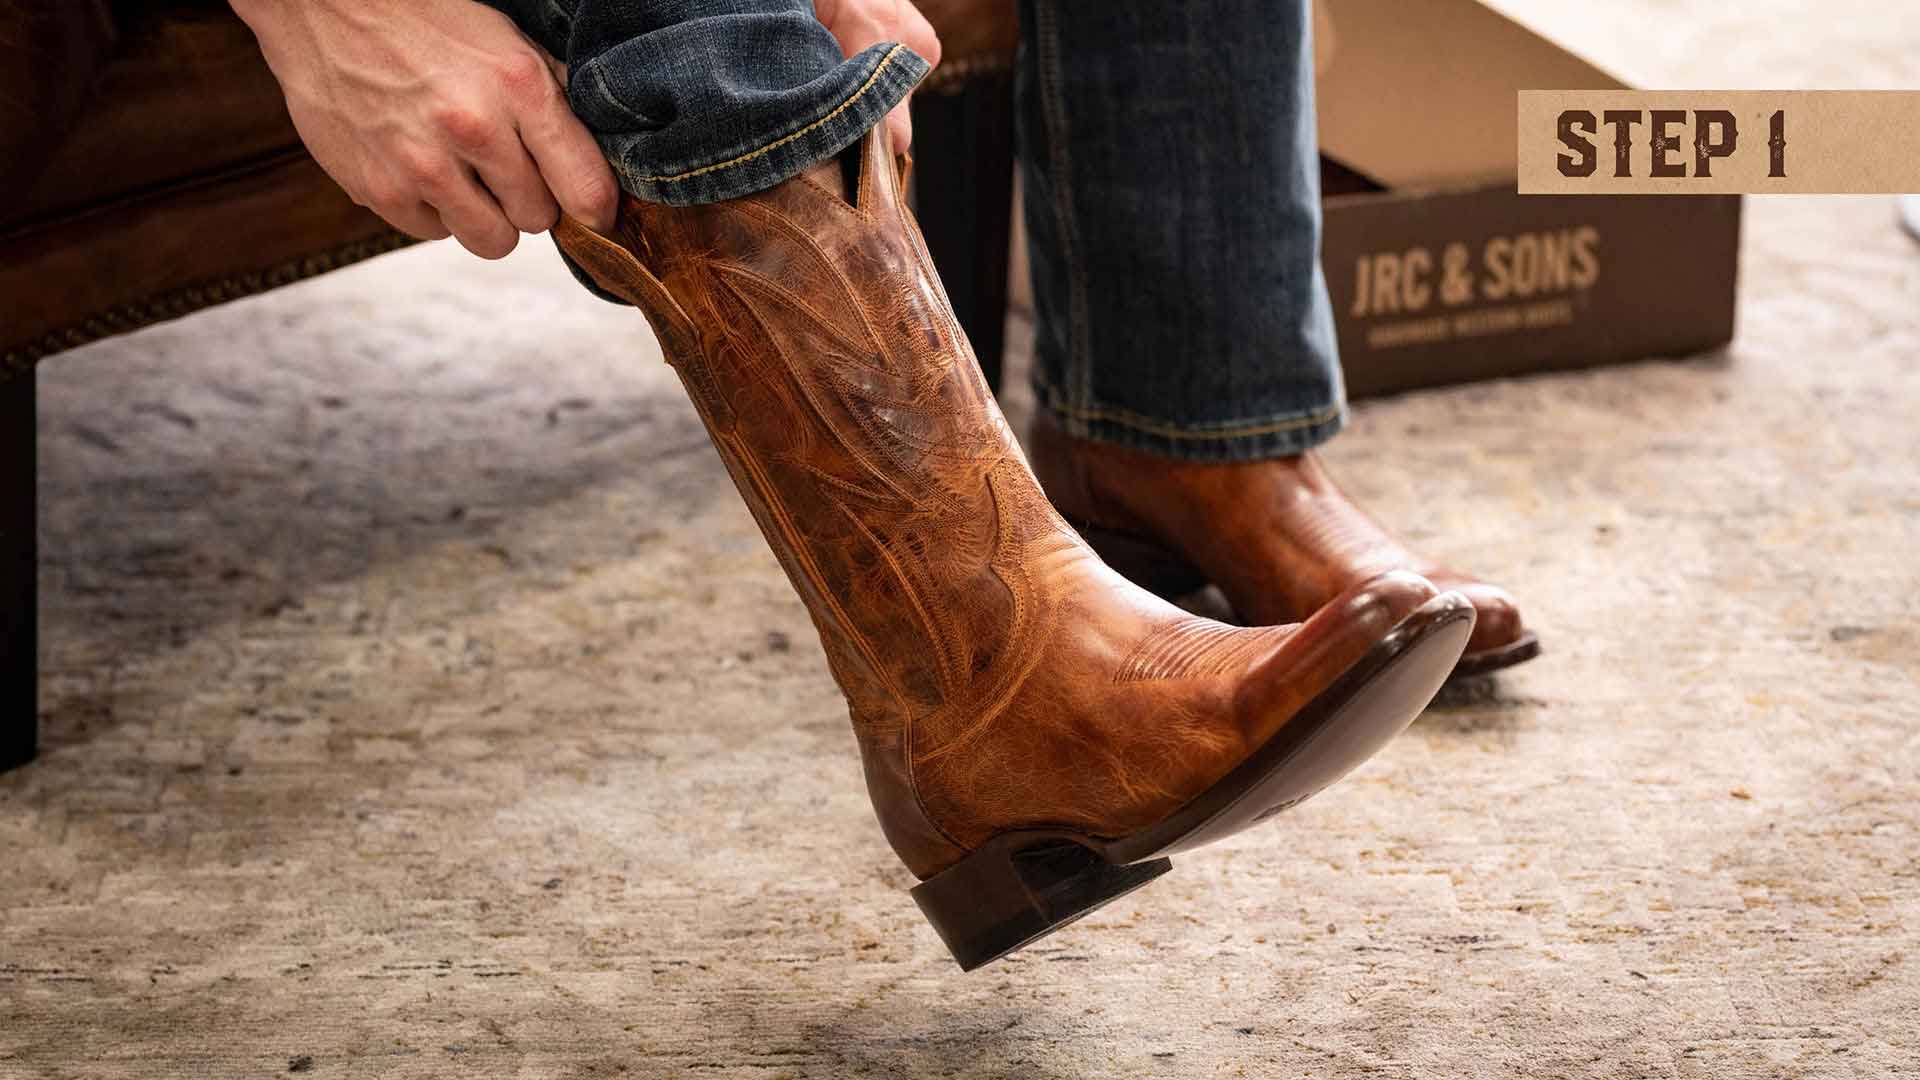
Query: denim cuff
[1251, 439]
[875, 81]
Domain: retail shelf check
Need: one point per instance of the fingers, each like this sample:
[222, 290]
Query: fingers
[917, 33]
[469, 211]
[570, 163]
[857, 24]
[477, 221]
[900, 128]
[436, 198]
[398, 203]
[507, 163]
[418, 220]
[483, 142]
[504, 168]
[860, 24]
[554, 64]
[462, 131]
[510, 175]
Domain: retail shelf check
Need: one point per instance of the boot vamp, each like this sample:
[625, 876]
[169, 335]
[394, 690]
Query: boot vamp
[1279, 539]
[1125, 708]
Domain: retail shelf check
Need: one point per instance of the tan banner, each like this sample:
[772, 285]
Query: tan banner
[1714, 142]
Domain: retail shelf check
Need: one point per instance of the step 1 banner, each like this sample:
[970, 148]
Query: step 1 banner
[1718, 142]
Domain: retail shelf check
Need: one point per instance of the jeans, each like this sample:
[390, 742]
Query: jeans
[1172, 178]
[1168, 157]
[695, 101]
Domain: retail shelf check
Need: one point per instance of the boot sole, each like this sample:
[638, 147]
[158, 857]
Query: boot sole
[1170, 577]
[1487, 661]
[1021, 886]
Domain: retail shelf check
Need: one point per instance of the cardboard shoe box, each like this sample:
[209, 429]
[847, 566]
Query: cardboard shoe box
[1439, 271]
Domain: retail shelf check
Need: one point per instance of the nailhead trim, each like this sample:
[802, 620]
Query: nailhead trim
[125, 318]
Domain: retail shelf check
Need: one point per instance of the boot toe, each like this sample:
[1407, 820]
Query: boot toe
[1382, 601]
[1496, 623]
[1325, 646]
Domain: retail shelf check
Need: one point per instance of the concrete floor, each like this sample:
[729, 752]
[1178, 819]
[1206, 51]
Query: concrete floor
[422, 702]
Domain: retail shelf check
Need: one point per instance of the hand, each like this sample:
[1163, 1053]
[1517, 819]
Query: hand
[861, 24]
[438, 115]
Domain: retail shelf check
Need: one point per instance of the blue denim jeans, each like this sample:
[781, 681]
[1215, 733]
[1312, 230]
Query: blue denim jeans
[1172, 177]
[696, 101]
[1169, 160]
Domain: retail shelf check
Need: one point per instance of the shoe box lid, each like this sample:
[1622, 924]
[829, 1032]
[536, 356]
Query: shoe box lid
[1424, 93]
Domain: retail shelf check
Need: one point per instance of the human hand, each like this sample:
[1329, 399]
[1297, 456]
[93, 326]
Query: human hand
[438, 115]
[861, 24]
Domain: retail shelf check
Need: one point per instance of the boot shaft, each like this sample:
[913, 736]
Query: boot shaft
[815, 340]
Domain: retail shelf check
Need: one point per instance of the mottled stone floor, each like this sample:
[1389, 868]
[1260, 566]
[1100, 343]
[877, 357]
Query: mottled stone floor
[422, 702]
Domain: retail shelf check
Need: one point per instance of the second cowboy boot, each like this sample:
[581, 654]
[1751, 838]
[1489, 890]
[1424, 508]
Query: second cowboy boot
[1278, 537]
[1037, 733]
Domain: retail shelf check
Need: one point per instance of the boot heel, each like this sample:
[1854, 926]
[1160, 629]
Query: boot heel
[1018, 888]
[1143, 562]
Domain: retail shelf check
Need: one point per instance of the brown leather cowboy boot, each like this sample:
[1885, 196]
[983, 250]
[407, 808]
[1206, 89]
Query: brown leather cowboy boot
[1278, 537]
[1037, 733]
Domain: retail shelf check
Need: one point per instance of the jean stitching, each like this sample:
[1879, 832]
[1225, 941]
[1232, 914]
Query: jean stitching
[1136, 423]
[878, 70]
[1220, 430]
[1221, 450]
[1060, 165]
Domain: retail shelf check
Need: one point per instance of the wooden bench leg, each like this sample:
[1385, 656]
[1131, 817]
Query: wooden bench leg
[963, 183]
[19, 572]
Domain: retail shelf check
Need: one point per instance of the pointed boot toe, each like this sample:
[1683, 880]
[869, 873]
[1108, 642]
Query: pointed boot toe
[1500, 639]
